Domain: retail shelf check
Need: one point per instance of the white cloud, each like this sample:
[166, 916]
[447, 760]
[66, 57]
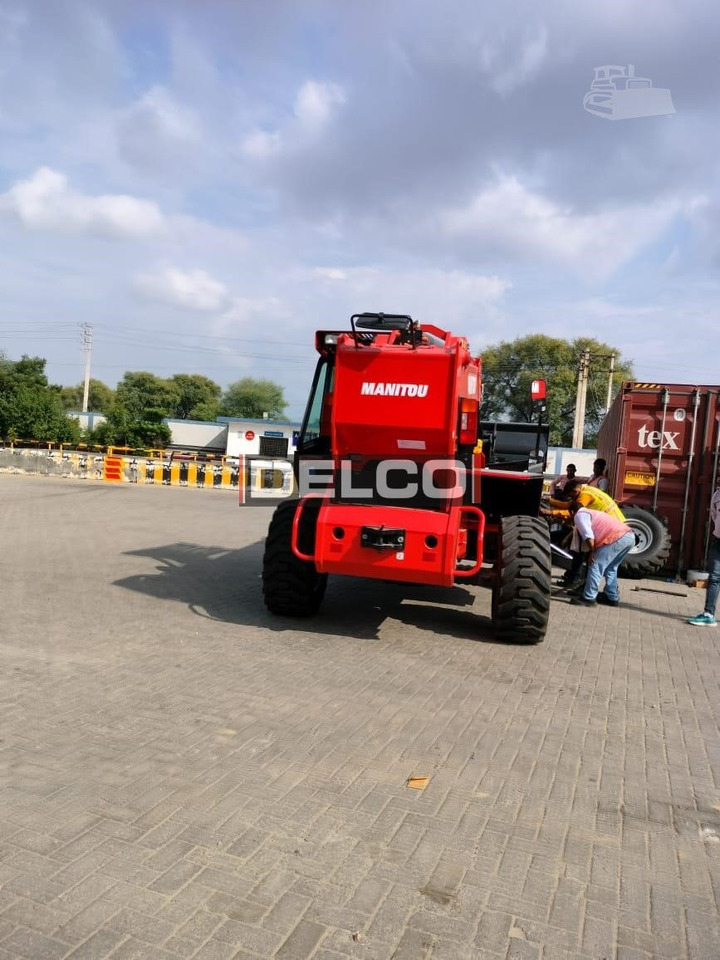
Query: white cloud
[446, 297]
[319, 273]
[269, 318]
[529, 58]
[193, 290]
[248, 310]
[331, 273]
[260, 144]
[315, 102]
[157, 130]
[314, 107]
[47, 202]
[374, 144]
[509, 60]
[158, 109]
[506, 215]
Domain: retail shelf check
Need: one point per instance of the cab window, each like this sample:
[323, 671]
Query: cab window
[322, 384]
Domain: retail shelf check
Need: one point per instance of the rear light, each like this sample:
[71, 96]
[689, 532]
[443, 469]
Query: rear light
[537, 390]
[468, 421]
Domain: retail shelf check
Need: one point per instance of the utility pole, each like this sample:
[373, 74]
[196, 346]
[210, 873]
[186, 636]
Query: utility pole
[583, 377]
[610, 382]
[87, 350]
[582, 387]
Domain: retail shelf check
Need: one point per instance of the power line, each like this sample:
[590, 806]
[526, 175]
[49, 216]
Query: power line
[209, 336]
[170, 340]
[180, 348]
[37, 339]
[28, 324]
[40, 328]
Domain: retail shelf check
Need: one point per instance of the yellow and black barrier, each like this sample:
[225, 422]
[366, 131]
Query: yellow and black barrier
[220, 473]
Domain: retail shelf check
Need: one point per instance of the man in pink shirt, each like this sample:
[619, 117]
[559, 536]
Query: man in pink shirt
[608, 542]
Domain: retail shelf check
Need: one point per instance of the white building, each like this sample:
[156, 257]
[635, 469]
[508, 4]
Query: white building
[198, 436]
[560, 457]
[265, 438]
[87, 419]
[234, 436]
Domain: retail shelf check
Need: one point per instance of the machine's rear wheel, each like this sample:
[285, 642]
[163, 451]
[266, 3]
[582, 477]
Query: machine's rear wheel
[291, 587]
[522, 587]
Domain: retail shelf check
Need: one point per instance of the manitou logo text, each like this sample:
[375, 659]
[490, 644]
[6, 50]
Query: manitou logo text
[394, 389]
[654, 438]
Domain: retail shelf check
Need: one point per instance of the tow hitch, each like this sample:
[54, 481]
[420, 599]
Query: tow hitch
[382, 538]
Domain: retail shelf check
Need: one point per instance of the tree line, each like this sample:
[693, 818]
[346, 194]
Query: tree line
[508, 369]
[32, 408]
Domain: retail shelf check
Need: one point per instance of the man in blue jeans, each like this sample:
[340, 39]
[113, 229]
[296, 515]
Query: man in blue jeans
[707, 617]
[608, 541]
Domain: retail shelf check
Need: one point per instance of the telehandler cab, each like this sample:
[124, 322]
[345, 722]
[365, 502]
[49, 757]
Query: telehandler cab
[398, 480]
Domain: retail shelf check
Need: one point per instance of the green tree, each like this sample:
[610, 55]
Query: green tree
[194, 397]
[252, 398]
[142, 401]
[30, 409]
[100, 397]
[144, 396]
[510, 367]
[122, 430]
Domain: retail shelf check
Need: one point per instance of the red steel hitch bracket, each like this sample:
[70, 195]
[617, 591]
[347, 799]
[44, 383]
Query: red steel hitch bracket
[294, 546]
[477, 512]
[308, 557]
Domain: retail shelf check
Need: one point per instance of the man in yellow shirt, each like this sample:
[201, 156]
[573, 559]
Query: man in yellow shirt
[594, 499]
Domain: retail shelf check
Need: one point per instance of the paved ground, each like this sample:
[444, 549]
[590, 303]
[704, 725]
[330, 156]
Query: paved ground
[183, 776]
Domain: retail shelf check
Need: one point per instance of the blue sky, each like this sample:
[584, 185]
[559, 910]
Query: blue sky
[208, 183]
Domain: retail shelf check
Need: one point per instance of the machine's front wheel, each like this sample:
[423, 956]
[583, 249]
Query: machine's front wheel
[523, 579]
[291, 587]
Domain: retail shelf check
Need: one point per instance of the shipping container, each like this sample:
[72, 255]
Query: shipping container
[661, 444]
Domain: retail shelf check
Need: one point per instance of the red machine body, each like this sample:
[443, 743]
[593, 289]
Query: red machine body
[392, 425]
[391, 399]
[413, 400]
[433, 543]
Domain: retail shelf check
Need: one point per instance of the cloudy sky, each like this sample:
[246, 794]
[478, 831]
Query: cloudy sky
[206, 183]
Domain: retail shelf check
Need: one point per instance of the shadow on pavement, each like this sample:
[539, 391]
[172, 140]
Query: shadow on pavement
[625, 605]
[224, 585]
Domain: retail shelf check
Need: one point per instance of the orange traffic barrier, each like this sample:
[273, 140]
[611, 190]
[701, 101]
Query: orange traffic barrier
[113, 469]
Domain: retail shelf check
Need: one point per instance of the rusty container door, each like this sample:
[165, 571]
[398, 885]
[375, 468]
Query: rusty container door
[661, 443]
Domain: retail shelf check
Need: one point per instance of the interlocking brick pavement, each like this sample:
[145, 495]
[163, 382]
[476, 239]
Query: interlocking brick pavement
[183, 776]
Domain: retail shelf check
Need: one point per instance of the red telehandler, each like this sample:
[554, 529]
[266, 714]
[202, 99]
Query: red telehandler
[397, 482]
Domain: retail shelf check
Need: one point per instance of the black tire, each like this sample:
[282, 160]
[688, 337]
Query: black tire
[523, 580]
[652, 551]
[291, 587]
